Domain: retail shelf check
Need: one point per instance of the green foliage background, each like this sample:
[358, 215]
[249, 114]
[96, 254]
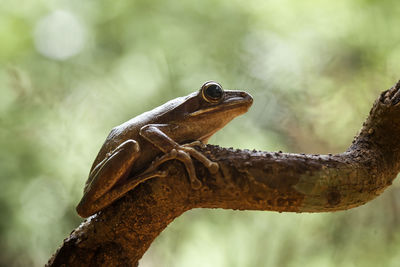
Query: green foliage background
[71, 70]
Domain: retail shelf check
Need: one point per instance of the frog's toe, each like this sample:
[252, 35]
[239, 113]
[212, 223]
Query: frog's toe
[213, 167]
[196, 184]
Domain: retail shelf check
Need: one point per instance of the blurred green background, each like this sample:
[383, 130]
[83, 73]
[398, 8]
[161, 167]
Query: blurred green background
[71, 70]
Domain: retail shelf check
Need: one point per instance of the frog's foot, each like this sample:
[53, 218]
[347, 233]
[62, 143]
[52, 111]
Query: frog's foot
[195, 143]
[212, 166]
[183, 154]
[135, 181]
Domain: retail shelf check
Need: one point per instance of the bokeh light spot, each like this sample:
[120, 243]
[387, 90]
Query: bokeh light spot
[59, 35]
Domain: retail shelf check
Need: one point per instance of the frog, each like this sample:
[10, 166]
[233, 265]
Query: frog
[133, 151]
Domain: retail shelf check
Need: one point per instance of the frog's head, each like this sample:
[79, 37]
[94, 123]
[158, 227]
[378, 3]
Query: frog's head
[211, 108]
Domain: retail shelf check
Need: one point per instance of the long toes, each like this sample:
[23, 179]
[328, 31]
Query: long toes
[195, 143]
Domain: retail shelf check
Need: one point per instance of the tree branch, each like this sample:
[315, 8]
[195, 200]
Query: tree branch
[247, 180]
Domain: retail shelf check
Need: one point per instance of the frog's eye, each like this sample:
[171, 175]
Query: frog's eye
[212, 92]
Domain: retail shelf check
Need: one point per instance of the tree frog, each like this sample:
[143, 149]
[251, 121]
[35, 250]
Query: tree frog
[133, 151]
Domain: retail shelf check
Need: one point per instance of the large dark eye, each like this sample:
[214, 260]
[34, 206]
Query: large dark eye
[212, 92]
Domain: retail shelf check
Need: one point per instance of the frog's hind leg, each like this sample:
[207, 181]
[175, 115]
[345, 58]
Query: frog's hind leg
[120, 190]
[105, 176]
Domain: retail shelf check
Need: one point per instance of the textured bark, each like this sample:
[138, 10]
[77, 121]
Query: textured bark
[248, 180]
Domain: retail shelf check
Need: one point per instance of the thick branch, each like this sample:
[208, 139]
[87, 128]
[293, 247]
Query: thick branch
[247, 180]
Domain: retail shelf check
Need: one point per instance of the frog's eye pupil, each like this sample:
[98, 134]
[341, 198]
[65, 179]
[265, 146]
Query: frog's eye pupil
[212, 92]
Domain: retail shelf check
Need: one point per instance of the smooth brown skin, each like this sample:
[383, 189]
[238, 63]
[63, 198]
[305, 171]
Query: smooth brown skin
[173, 129]
[247, 180]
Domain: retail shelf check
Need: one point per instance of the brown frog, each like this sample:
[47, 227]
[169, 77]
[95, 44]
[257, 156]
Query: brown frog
[133, 150]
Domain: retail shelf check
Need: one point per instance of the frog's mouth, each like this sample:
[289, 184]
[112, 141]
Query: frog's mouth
[244, 101]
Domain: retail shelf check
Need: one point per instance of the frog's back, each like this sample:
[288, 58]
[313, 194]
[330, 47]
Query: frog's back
[118, 135]
[130, 129]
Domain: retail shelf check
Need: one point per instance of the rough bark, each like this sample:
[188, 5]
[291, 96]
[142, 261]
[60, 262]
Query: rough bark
[247, 180]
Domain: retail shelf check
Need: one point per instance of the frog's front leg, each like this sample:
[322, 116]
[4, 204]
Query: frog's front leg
[103, 188]
[156, 134]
